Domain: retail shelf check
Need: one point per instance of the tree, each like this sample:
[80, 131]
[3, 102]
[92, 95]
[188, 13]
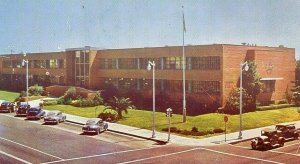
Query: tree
[120, 105]
[232, 105]
[109, 92]
[252, 83]
[70, 94]
[35, 90]
[296, 88]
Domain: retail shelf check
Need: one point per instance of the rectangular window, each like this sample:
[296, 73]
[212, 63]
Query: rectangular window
[61, 63]
[110, 81]
[47, 63]
[128, 63]
[144, 62]
[206, 63]
[173, 63]
[206, 87]
[53, 63]
[269, 86]
[7, 63]
[127, 83]
[108, 64]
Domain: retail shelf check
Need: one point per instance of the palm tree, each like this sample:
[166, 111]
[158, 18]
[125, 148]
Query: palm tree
[119, 105]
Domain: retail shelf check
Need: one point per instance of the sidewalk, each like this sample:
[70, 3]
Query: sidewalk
[162, 137]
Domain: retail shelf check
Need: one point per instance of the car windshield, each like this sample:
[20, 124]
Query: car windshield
[34, 109]
[51, 114]
[4, 103]
[91, 122]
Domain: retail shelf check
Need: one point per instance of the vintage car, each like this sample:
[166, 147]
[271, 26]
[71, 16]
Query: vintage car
[287, 131]
[22, 110]
[54, 117]
[268, 140]
[35, 113]
[95, 125]
[7, 106]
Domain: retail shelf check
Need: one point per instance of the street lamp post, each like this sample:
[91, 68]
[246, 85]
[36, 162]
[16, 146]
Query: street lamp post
[243, 66]
[23, 63]
[152, 64]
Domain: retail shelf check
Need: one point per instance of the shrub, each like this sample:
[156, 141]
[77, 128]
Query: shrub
[51, 102]
[284, 101]
[68, 101]
[98, 100]
[194, 129]
[271, 107]
[218, 130]
[22, 94]
[70, 94]
[61, 100]
[35, 90]
[109, 115]
[186, 132]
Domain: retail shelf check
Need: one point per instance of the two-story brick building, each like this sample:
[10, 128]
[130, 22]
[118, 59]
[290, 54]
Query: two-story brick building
[212, 71]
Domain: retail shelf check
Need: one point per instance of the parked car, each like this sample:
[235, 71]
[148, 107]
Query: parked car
[287, 131]
[7, 106]
[268, 140]
[35, 113]
[54, 117]
[22, 110]
[95, 125]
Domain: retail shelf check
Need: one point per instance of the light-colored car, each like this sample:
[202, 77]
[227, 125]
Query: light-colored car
[94, 125]
[55, 117]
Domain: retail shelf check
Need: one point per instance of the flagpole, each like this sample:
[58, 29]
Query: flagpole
[183, 69]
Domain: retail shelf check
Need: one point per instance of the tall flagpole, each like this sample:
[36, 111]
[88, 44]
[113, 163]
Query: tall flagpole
[183, 69]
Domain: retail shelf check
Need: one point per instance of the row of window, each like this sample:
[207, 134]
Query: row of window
[200, 87]
[168, 63]
[52, 63]
[35, 79]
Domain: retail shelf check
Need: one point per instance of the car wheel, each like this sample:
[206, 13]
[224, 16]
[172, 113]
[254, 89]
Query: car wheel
[253, 146]
[296, 136]
[266, 147]
[281, 143]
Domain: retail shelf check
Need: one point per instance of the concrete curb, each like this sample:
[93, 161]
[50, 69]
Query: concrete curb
[129, 134]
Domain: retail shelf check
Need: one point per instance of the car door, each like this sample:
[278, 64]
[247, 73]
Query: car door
[59, 116]
[100, 124]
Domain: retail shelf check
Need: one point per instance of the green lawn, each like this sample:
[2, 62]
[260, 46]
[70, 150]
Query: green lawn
[78, 111]
[9, 96]
[143, 119]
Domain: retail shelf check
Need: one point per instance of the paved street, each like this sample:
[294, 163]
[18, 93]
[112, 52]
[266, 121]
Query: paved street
[23, 141]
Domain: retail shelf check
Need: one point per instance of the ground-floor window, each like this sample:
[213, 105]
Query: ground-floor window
[269, 86]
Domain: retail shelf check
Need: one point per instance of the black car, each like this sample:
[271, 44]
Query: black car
[95, 125]
[269, 139]
[22, 110]
[35, 113]
[7, 106]
[288, 131]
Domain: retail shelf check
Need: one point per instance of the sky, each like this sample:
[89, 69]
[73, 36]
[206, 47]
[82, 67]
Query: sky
[54, 25]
